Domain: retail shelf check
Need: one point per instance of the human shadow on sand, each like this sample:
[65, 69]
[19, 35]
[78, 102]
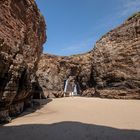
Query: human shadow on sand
[66, 131]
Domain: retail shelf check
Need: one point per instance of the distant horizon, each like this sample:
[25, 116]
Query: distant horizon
[73, 27]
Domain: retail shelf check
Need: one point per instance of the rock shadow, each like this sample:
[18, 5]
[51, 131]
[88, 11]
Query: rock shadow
[36, 105]
[66, 131]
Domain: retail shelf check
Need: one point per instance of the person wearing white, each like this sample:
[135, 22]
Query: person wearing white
[65, 89]
[75, 90]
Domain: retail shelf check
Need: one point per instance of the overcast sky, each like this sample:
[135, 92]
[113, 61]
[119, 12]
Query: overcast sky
[73, 26]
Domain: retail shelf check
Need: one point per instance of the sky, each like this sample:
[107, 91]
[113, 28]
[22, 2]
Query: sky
[74, 26]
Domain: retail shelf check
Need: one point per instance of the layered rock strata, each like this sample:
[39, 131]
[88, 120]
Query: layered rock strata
[22, 34]
[116, 61]
[54, 70]
[110, 70]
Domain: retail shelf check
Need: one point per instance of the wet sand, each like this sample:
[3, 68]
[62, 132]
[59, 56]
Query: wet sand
[77, 118]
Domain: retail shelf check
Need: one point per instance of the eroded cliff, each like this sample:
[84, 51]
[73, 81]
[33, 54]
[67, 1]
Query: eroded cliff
[116, 61]
[110, 70]
[53, 70]
[22, 34]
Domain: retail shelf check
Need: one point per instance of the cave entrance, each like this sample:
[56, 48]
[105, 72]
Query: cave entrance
[71, 87]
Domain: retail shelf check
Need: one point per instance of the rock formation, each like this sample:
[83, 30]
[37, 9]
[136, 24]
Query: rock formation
[22, 34]
[53, 70]
[110, 70]
[116, 61]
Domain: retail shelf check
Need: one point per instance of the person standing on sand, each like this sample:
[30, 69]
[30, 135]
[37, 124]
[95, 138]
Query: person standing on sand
[70, 86]
[75, 92]
[65, 87]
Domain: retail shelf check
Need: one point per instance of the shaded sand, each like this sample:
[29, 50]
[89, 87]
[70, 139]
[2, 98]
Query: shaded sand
[77, 118]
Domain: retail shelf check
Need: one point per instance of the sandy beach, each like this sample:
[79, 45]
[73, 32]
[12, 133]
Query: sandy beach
[77, 118]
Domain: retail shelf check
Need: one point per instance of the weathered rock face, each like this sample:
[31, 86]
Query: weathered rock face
[116, 61]
[53, 70]
[22, 34]
[111, 69]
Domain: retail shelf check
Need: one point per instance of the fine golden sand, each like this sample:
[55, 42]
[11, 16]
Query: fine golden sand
[77, 118]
